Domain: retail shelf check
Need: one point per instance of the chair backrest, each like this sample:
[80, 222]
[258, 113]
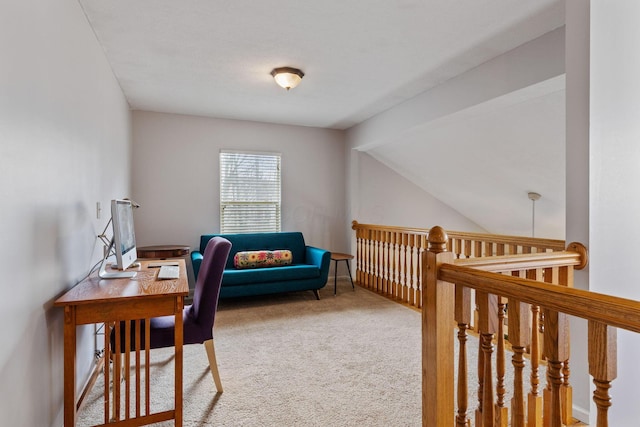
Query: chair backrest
[207, 291]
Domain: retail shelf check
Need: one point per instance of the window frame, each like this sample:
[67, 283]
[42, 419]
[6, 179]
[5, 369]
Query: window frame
[248, 201]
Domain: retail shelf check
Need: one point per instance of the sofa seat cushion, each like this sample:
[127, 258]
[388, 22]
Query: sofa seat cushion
[262, 259]
[234, 277]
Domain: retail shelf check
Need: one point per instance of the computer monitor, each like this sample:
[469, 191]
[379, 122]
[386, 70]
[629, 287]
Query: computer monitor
[123, 234]
[124, 240]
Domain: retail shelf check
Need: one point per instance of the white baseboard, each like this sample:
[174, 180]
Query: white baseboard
[581, 414]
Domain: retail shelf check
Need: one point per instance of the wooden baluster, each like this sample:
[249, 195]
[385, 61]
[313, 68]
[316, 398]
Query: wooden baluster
[463, 318]
[566, 395]
[358, 263]
[437, 340]
[488, 326]
[551, 395]
[399, 266]
[467, 248]
[565, 278]
[519, 321]
[534, 408]
[372, 257]
[390, 266]
[367, 256]
[383, 264]
[500, 249]
[371, 251]
[363, 259]
[603, 366]
[409, 272]
[394, 265]
[405, 268]
[502, 413]
[480, 374]
[477, 253]
[388, 269]
[388, 272]
[420, 269]
[379, 262]
[457, 250]
[556, 350]
[414, 272]
[376, 262]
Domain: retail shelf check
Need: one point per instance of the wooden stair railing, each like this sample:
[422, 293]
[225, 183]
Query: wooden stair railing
[389, 258]
[529, 290]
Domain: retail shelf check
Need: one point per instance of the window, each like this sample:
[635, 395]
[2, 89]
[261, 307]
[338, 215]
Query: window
[249, 192]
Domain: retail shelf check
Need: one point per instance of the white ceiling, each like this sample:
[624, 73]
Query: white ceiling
[360, 57]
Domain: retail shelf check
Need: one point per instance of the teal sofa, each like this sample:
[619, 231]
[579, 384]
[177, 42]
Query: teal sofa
[308, 271]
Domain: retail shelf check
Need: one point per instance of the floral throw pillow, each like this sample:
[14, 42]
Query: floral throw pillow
[264, 258]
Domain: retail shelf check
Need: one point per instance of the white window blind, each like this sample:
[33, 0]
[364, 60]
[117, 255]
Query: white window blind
[249, 192]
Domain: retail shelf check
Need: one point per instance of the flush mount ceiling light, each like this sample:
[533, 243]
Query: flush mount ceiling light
[287, 77]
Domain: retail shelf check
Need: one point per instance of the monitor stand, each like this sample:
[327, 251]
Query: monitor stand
[103, 274]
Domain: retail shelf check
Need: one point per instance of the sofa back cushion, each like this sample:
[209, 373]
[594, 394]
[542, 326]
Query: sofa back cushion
[291, 240]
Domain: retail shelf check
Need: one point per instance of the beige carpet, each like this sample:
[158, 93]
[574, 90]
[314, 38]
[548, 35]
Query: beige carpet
[290, 360]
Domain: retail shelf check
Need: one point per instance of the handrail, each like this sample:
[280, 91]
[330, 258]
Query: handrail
[554, 244]
[576, 256]
[536, 315]
[614, 311]
[388, 258]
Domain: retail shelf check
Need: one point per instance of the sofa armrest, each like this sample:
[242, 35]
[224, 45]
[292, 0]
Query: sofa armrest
[196, 260]
[320, 258]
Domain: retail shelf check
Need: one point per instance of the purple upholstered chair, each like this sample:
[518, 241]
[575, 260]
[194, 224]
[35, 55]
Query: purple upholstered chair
[197, 318]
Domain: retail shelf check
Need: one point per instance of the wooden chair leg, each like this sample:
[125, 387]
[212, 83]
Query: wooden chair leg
[213, 364]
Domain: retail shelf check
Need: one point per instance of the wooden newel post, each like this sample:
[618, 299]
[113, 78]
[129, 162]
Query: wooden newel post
[438, 299]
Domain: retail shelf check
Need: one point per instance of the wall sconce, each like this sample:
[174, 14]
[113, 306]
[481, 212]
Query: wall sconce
[287, 77]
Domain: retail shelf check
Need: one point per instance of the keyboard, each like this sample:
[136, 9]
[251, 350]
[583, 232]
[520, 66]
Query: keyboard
[169, 272]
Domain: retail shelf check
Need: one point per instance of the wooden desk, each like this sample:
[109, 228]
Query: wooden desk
[171, 251]
[337, 256]
[96, 300]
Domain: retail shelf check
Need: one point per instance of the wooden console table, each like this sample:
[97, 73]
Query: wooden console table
[164, 251]
[96, 300]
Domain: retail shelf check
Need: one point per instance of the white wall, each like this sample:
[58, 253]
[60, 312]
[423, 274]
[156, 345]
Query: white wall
[614, 175]
[176, 176]
[385, 197]
[63, 124]
[577, 183]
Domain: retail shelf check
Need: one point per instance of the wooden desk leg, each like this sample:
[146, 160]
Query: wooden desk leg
[69, 366]
[178, 359]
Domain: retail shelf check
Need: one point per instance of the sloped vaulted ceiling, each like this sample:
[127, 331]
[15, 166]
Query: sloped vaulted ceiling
[483, 161]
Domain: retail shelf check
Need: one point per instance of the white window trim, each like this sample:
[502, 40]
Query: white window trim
[250, 202]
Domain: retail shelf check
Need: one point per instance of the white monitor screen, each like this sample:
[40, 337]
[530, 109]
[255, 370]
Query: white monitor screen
[123, 233]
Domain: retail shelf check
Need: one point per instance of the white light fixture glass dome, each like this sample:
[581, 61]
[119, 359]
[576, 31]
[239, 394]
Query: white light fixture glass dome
[287, 77]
